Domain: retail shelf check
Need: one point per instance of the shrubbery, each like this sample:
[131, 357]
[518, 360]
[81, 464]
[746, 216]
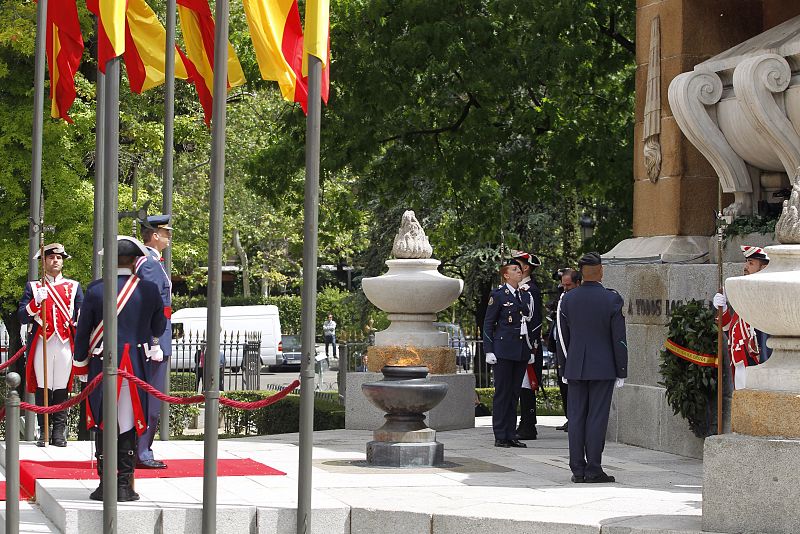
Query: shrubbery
[548, 403]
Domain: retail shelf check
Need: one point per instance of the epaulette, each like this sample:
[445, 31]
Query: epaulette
[613, 290]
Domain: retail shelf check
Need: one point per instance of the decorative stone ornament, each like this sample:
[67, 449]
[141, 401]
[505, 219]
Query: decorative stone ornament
[652, 106]
[787, 230]
[411, 241]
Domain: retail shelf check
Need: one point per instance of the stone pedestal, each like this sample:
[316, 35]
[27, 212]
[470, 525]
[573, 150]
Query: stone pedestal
[750, 484]
[456, 411]
[766, 413]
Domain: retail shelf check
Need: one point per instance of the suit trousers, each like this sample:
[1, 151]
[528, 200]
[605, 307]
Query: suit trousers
[156, 377]
[587, 411]
[507, 384]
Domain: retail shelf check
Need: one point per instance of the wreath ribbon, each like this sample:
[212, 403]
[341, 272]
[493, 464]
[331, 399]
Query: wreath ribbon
[699, 358]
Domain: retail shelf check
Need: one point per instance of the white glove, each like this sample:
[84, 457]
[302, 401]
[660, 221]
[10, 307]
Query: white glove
[533, 357]
[720, 302]
[153, 353]
[39, 294]
[619, 383]
[83, 378]
[491, 359]
[563, 379]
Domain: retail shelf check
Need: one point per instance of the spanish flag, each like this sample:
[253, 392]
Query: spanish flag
[64, 50]
[317, 39]
[110, 29]
[197, 26]
[278, 41]
[145, 41]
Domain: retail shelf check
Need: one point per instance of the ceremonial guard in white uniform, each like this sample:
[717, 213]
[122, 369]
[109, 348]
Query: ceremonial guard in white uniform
[58, 299]
[140, 316]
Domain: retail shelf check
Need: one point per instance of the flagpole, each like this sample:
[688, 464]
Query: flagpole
[110, 229]
[309, 294]
[211, 369]
[36, 169]
[166, 200]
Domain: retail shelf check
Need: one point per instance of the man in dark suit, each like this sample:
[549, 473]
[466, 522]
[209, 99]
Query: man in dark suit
[570, 279]
[157, 236]
[140, 314]
[592, 333]
[504, 331]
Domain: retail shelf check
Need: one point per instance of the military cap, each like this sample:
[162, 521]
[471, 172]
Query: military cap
[590, 258]
[52, 248]
[755, 253]
[531, 259]
[513, 261]
[129, 246]
[157, 221]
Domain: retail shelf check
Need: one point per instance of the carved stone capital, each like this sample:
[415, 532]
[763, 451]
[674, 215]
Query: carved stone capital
[689, 94]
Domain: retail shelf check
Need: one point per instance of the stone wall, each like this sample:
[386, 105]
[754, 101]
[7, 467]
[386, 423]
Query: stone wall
[640, 414]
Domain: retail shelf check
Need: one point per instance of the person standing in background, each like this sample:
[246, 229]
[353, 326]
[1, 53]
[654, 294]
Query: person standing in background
[329, 334]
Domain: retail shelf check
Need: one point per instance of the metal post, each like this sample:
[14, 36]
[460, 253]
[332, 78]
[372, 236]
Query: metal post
[166, 201]
[211, 367]
[36, 169]
[12, 454]
[309, 295]
[99, 159]
[110, 229]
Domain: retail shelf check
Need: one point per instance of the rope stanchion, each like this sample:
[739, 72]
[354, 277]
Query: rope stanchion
[11, 360]
[69, 403]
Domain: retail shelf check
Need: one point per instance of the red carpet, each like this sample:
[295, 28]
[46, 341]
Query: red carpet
[30, 471]
[23, 495]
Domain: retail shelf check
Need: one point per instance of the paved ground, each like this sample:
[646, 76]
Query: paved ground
[482, 489]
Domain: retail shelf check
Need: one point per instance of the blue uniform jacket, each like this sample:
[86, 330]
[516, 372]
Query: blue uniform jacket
[501, 326]
[593, 330]
[152, 270]
[141, 319]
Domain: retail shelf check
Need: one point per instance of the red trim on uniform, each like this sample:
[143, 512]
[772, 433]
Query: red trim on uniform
[168, 312]
[532, 377]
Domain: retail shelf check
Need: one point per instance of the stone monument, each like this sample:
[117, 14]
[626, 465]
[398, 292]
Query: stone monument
[412, 292]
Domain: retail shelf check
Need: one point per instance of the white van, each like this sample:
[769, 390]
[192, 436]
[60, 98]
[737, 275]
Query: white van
[263, 319]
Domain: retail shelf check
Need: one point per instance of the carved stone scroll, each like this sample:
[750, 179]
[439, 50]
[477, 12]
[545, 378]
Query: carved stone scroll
[652, 106]
[689, 94]
[754, 81]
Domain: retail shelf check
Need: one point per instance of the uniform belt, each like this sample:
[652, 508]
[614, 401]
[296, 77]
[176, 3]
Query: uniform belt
[168, 312]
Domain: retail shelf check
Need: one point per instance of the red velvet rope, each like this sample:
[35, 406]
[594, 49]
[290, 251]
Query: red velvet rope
[196, 399]
[12, 359]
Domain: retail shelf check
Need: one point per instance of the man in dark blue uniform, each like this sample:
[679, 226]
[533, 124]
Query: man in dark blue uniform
[532, 378]
[592, 333]
[140, 317]
[157, 236]
[504, 331]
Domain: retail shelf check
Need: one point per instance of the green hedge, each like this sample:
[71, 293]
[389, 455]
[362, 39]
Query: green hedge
[279, 418]
[182, 381]
[180, 415]
[547, 404]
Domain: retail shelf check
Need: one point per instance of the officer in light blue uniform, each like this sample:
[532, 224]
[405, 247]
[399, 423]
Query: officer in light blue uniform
[157, 236]
[504, 332]
[591, 330]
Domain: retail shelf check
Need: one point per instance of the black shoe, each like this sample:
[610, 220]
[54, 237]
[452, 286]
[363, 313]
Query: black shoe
[577, 479]
[526, 435]
[516, 443]
[97, 495]
[151, 464]
[563, 427]
[599, 479]
[502, 443]
[125, 491]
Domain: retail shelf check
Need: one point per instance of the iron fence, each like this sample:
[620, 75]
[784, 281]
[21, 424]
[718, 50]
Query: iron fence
[239, 362]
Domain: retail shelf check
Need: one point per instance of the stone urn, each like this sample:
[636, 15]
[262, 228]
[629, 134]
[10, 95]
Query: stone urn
[404, 440]
[412, 291]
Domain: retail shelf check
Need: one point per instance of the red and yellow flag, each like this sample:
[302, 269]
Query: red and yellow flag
[64, 44]
[145, 42]
[110, 29]
[197, 26]
[278, 41]
[317, 39]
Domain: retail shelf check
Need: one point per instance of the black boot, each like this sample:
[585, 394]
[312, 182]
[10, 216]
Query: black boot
[126, 464]
[527, 420]
[39, 396]
[58, 437]
[97, 495]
